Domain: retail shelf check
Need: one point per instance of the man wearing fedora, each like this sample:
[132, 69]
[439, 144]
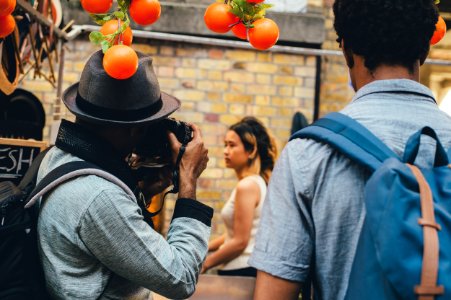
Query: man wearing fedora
[93, 239]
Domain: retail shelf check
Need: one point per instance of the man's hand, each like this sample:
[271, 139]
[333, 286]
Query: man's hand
[204, 269]
[193, 163]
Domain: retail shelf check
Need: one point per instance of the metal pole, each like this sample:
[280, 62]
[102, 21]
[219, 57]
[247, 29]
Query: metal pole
[59, 87]
[78, 29]
[316, 100]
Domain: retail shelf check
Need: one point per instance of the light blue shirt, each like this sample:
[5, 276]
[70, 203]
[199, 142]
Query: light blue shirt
[95, 244]
[314, 208]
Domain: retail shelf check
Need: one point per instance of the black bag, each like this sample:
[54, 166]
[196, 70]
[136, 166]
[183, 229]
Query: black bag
[21, 273]
[21, 276]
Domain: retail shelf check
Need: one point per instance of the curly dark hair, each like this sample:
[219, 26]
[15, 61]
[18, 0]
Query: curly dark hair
[254, 134]
[392, 32]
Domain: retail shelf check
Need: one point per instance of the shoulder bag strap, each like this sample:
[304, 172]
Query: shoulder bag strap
[350, 138]
[69, 171]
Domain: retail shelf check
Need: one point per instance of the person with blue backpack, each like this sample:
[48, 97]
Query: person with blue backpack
[358, 206]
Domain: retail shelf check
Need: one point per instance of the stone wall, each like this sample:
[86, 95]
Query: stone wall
[217, 87]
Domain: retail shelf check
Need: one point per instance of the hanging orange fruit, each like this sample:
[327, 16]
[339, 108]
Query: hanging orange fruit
[111, 27]
[145, 12]
[240, 31]
[7, 25]
[440, 30]
[96, 6]
[7, 7]
[120, 62]
[218, 17]
[264, 34]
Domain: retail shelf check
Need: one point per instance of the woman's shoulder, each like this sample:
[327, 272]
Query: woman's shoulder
[250, 183]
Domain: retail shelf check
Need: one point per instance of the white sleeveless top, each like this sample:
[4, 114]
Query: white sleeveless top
[227, 214]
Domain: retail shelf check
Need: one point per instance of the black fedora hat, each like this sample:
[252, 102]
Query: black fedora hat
[99, 98]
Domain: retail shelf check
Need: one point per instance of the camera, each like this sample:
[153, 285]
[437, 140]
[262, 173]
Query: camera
[154, 151]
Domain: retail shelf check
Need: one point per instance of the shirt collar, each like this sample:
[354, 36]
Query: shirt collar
[79, 141]
[401, 86]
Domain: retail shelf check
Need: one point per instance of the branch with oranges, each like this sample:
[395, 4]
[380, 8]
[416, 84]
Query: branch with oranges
[246, 19]
[115, 37]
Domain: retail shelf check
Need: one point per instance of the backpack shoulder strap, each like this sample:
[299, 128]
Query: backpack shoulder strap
[449, 154]
[69, 171]
[350, 138]
[32, 172]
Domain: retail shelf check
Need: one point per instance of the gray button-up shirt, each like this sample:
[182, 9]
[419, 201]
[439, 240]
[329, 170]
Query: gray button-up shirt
[94, 243]
[314, 209]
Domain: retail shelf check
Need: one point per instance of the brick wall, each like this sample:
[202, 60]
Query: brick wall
[217, 87]
[310, 3]
[335, 88]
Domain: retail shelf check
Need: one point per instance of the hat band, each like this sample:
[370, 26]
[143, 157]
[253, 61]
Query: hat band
[118, 114]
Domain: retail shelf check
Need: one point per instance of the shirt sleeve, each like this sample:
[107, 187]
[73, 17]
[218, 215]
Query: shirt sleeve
[284, 241]
[114, 231]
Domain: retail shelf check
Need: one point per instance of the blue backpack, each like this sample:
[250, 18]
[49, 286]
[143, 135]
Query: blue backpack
[404, 249]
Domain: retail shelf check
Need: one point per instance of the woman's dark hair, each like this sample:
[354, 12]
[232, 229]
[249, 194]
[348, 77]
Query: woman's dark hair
[253, 134]
[392, 32]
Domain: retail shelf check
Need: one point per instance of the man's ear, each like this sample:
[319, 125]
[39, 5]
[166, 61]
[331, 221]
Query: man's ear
[348, 54]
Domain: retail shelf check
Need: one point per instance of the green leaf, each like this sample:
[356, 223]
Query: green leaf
[260, 15]
[99, 18]
[240, 2]
[123, 27]
[127, 20]
[237, 12]
[95, 17]
[105, 46]
[265, 6]
[119, 15]
[110, 37]
[248, 12]
[123, 4]
[96, 37]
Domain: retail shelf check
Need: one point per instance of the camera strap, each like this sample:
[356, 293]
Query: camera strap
[176, 171]
[175, 179]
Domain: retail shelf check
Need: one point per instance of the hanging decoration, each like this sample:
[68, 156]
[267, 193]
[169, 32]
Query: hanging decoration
[115, 36]
[246, 19]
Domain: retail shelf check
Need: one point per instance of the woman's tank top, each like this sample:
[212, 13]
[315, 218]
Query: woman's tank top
[227, 215]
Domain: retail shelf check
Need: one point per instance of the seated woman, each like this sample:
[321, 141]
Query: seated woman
[251, 152]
